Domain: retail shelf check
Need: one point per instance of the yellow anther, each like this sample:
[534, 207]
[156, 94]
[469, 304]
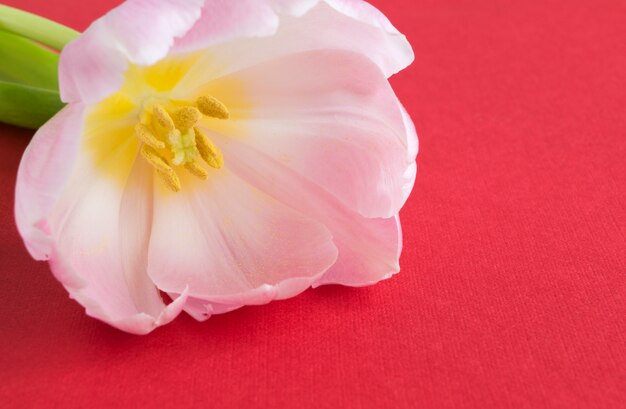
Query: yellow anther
[146, 136]
[197, 170]
[209, 152]
[156, 160]
[186, 117]
[165, 172]
[212, 107]
[163, 118]
[170, 180]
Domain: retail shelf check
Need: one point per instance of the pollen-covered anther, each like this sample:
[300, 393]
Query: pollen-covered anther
[164, 170]
[186, 117]
[163, 118]
[146, 136]
[212, 107]
[209, 152]
[170, 179]
[197, 170]
[156, 160]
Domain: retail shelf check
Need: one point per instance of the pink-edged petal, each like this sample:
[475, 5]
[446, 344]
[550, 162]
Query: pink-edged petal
[93, 229]
[332, 117]
[202, 310]
[412, 143]
[233, 245]
[377, 37]
[98, 303]
[246, 32]
[225, 21]
[367, 258]
[138, 31]
[369, 248]
[44, 170]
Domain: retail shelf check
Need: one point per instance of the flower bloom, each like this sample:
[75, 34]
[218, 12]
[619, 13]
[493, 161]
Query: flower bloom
[225, 153]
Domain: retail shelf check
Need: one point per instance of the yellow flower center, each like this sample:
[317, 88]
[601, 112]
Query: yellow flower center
[157, 116]
[170, 138]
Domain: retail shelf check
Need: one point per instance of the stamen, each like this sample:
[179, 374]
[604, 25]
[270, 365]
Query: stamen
[163, 169]
[170, 138]
[170, 179]
[209, 152]
[156, 160]
[212, 107]
[197, 170]
[186, 117]
[146, 136]
[163, 118]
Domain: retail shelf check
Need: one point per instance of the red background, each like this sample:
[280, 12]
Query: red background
[513, 289]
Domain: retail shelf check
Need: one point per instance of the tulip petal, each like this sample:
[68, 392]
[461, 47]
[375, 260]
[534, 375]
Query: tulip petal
[246, 32]
[101, 232]
[202, 310]
[233, 245]
[44, 169]
[367, 258]
[92, 229]
[369, 248]
[412, 143]
[342, 128]
[138, 31]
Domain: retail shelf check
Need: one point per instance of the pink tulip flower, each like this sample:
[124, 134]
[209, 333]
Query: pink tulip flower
[222, 153]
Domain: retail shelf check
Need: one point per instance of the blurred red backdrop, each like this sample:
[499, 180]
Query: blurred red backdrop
[513, 289]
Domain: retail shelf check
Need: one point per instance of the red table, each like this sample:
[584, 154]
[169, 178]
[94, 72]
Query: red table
[513, 289]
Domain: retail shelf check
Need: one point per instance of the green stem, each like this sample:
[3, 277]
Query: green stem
[35, 27]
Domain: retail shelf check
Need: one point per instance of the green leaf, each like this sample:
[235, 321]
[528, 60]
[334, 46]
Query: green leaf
[36, 28]
[27, 106]
[26, 62]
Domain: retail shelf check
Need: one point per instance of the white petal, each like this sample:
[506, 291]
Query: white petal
[202, 310]
[232, 244]
[138, 31]
[332, 117]
[246, 32]
[368, 257]
[100, 229]
[44, 170]
[92, 228]
[369, 249]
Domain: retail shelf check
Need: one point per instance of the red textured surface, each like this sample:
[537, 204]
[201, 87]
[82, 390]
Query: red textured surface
[513, 290]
